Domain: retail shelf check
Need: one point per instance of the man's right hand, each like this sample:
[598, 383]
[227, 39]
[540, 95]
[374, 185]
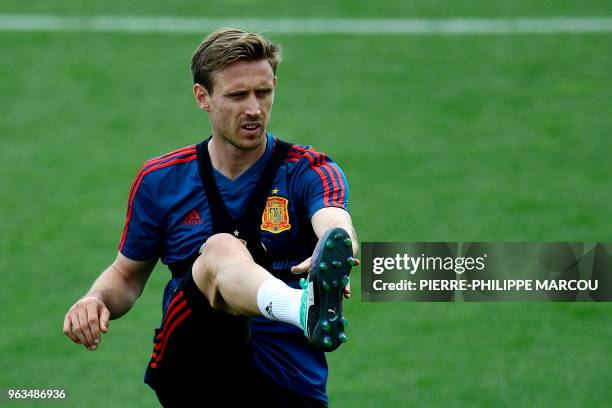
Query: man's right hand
[122, 282]
[85, 320]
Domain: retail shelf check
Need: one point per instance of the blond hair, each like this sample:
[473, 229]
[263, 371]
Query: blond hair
[226, 45]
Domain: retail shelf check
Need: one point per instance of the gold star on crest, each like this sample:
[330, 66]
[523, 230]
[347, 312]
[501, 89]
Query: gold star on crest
[275, 191]
[236, 233]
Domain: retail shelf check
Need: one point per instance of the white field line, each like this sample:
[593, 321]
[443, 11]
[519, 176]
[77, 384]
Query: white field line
[411, 26]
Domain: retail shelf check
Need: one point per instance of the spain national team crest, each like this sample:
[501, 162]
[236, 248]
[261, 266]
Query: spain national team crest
[275, 217]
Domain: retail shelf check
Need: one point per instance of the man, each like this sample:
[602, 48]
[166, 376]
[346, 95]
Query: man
[258, 204]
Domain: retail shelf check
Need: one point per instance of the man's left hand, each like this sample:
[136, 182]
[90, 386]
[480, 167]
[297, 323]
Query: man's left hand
[304, 266]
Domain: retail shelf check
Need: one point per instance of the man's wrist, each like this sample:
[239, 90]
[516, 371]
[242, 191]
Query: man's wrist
[94, 295]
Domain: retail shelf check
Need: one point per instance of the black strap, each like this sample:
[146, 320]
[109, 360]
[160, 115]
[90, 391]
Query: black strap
[181, 267]
[249, 226]
[222, 221]
[249, 222]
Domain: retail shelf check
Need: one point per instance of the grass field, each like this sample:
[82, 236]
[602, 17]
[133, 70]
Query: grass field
[489, 137]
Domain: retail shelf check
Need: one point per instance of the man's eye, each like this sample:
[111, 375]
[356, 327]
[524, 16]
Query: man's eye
[263, 93]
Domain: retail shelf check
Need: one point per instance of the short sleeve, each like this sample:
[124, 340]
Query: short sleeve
[141, 236]
[324, 183]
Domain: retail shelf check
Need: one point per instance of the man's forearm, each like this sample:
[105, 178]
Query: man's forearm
[111, 296]
[116, 291]
[351, 230]
[330, 217]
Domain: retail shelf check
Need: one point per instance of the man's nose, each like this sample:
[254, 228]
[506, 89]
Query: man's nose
[252, 107]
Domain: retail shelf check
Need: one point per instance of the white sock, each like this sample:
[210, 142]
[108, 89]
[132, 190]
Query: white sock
[277, 301]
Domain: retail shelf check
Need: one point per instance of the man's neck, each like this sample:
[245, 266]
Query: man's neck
[231, 161]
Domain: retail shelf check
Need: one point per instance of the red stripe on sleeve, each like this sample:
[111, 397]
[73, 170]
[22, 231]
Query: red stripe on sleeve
[322, 160]
[316, 160]
[342, 187]
[137, 186]
[325, 186]
[324, 167]
[330, 172]
[319, 159]
[323, 177]
[167, 156]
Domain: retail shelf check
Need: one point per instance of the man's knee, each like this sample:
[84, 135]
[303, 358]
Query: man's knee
[223, 245]
[220, 250]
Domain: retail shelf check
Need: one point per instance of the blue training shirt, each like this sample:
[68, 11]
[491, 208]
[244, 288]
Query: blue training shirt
[168, 218]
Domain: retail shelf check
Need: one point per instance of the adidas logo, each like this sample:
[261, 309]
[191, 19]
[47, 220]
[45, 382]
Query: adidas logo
[192, 218]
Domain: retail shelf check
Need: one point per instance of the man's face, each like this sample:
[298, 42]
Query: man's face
[240, 104]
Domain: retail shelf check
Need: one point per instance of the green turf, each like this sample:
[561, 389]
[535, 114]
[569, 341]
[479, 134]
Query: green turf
[442, 138]
[314, 8]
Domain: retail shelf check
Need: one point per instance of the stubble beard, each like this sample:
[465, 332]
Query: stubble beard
[245, 145]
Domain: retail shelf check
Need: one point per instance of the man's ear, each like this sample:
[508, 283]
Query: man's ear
[202, 97]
